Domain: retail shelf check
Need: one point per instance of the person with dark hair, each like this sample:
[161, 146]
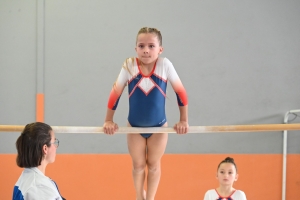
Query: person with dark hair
[226, 175]
[36, 148]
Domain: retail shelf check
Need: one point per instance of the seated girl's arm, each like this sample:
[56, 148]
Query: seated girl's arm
[243, 196]
[206, 197]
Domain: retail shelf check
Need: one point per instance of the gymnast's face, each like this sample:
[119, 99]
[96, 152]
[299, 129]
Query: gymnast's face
[227, 174]
[148, 48]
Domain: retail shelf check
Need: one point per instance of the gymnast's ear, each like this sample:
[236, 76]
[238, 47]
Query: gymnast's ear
[160, 50]
[236, 177]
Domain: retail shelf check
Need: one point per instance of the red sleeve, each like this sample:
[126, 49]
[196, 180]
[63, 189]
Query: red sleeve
[113, 100]
[181, 94]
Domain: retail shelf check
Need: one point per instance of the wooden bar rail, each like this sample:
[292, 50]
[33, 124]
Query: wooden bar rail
[192, 129]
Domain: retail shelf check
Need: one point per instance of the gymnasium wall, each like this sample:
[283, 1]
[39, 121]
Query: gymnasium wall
[239, 61]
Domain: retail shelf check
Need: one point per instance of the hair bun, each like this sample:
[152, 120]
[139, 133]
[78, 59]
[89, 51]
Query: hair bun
[229, 159]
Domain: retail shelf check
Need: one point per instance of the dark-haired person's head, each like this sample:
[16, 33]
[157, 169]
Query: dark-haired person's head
[228, 160]
[227, 172]
[36, 144]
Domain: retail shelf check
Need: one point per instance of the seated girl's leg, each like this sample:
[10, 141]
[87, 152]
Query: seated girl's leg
[137, 151]
[156, 146]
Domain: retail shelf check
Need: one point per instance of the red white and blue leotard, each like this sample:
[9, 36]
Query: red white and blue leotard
[147, 94]
[214, 195]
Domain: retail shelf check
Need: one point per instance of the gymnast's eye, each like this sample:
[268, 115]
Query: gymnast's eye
[151, 46]
[141, 46]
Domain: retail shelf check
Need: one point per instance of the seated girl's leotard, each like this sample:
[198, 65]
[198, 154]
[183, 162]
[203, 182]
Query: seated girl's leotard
[214, 195]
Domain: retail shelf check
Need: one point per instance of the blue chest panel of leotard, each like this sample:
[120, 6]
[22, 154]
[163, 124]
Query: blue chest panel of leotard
[147, 101]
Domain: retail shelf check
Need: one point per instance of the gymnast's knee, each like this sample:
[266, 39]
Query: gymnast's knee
[153, 166]
[139, 168]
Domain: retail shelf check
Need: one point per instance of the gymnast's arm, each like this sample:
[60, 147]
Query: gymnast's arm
[110, 126]
[182, 126]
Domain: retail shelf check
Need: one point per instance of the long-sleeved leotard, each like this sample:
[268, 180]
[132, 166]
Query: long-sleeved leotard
[147, 93]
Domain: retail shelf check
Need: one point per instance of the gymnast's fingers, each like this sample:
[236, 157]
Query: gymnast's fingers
[109, 127]
[178, 128]
[116, 127]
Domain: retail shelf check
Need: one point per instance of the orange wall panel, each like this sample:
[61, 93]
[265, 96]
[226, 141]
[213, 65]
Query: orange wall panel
[184, 176]
[40, 107]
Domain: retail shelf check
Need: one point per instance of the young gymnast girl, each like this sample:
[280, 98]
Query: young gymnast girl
[226, 175]
[146, 77]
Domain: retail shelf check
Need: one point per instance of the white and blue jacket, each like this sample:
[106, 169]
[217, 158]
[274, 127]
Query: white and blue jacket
[34, 185]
